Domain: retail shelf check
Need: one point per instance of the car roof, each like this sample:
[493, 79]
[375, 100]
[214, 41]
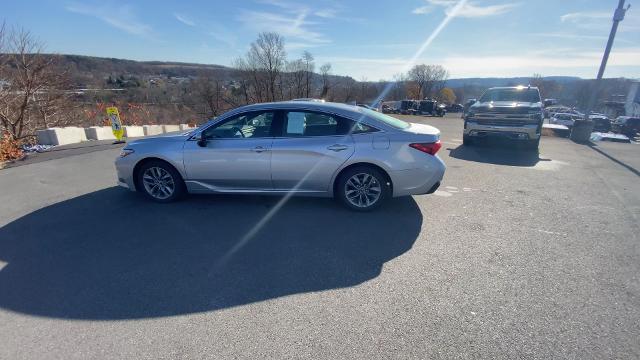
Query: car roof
[356, 113]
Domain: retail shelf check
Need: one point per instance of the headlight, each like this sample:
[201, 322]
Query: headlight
[470, 114]
[126, 152]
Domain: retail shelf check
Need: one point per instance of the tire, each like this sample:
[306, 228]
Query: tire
[360, 183]
[467, 140]
[160, 182]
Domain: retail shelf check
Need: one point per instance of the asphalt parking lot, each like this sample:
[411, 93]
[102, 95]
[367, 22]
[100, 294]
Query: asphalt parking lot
[518, 255]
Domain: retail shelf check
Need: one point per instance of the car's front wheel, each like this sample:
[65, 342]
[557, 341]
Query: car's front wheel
[160, 181]
[363, 188]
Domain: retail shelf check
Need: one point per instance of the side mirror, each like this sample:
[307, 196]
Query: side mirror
[202, 142]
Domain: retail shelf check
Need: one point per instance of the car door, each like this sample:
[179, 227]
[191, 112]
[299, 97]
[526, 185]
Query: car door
[312, 146]
[236, 156]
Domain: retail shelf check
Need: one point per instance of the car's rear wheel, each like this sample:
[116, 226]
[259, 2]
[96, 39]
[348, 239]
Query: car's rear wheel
[160, 182]
[466, 140]
[363, 188]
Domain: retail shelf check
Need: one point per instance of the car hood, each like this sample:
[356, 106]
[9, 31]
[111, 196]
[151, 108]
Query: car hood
[160, 139]
[502, 105]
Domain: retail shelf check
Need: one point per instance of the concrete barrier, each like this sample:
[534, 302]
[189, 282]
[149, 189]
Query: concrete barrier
[66, 135]
[150, 130]
[170, 128]
[44, 137]
[133, 131]
[99, 133]
[186, 127]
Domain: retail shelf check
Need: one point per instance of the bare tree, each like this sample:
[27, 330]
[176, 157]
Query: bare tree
[399, 89]
[325, 69]
[295, 79]
[267, 54]
[309, 68]
[36, 91]
[211, 91]
[428, 79]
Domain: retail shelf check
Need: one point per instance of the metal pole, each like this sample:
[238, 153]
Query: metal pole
[588, 126]
[617, 17]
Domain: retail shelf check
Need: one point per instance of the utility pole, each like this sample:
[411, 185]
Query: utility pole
[581, 131]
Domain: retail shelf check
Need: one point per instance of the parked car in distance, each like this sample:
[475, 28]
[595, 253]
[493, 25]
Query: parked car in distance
[408, 107]
[601, 123]
[507, 112]
[626, 125]
[565, 119]
[366, 106]
[430, 107]
[455, 108]
[359, 156]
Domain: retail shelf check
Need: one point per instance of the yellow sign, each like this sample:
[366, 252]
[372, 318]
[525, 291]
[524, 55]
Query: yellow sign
[116, 124]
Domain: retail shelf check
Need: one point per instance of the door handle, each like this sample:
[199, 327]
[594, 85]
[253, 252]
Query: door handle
[337, 147]
[259, 149]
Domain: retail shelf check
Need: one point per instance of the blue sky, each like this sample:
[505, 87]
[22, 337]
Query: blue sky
[364, 39]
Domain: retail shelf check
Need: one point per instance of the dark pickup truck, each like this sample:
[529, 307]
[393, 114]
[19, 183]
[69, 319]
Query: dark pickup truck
[508, 112]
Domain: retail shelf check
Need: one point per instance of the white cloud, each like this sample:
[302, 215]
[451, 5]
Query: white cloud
[572, 62]
[601, 20]
[587, 15]
[184, 19]
[553, 62]
[469, 9]
[122, 18]
[423, 10]
[326, 13]
[296, 27]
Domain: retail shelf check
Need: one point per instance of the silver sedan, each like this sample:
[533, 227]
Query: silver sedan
[357, 155]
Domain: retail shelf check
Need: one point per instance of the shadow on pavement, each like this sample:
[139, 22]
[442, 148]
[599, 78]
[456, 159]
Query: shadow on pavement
[498, 153]
[113, 255]
[595, 148]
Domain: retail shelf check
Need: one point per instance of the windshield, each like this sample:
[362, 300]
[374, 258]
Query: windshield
[515, 94]
[391, 121]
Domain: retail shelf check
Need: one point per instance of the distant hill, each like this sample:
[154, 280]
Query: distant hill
[98, 65]
[512, 81]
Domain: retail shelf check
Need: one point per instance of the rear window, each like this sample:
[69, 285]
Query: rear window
[389, 120]
[515, 94]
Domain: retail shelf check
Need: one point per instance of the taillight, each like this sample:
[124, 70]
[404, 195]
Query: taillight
[429, 148]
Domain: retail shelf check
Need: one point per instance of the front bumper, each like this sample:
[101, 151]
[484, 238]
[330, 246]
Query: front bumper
[124, 171]
[517, 132]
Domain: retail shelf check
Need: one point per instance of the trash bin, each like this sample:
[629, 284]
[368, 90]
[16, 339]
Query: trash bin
[581, 131]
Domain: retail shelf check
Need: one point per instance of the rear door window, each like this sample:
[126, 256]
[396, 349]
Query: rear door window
[308, 123]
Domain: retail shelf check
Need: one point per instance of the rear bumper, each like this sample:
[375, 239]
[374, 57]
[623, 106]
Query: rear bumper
[520, 132]
[418, 181]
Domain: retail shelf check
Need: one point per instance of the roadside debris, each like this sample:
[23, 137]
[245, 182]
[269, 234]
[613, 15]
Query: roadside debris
[29, 148]
[599, 136]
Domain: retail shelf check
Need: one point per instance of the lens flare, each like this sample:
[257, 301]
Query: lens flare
[273, 211]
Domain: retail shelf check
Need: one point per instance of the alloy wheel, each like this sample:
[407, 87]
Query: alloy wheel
[158, 183]
[362, 190]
